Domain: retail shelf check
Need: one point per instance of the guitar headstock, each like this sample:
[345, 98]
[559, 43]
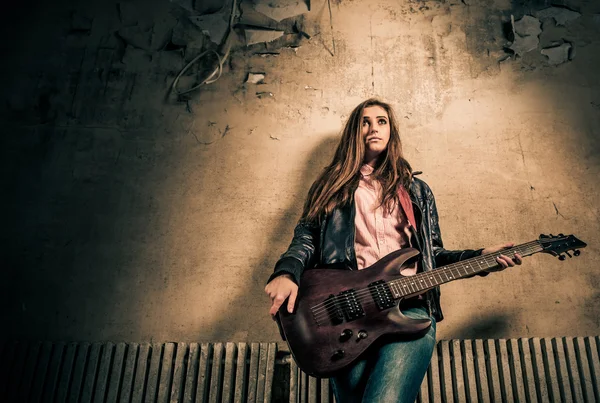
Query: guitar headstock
[556, 245]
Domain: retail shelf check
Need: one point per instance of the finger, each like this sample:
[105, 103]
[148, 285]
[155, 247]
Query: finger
[518, 259]
[276, 304]
[503, 264]
[274, 308]
[292, 301]
[508, 261]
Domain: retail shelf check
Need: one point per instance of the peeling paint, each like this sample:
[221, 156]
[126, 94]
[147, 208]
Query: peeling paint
[281, 9]
[255, 78]
[527, 26]
[561, 15]
[254, 36]
[558, 54]
[526, 32]
[215, 26]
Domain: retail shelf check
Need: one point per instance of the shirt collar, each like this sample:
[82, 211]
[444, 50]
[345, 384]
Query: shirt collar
[366, 170]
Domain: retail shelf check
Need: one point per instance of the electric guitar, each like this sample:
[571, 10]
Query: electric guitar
[340, 313]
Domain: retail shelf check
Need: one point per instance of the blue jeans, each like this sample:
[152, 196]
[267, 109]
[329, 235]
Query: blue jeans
[393, 373]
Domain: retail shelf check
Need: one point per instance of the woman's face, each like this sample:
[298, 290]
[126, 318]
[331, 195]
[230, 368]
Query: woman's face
[375, 132]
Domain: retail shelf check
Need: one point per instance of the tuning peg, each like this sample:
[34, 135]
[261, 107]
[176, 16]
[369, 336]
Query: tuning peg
[543, 236]
[568, 254]
[561, 257]
[561, 235]
[577, 252]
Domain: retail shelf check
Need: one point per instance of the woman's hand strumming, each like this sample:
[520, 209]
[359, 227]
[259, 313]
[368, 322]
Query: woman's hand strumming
[280, 288]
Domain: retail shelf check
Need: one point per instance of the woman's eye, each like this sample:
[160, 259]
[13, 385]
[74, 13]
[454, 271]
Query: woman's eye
[365, 122]
[382, 121]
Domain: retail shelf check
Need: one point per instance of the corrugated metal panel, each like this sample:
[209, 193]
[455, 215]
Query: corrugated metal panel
[493, 370]
[526, 370]
[539, 367]
[516, 370]
[481, 373]
[592, 347]
[158, 372]
[241, 373]
[116, 373]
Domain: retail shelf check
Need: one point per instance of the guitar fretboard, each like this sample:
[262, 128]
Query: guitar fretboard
[424, 281]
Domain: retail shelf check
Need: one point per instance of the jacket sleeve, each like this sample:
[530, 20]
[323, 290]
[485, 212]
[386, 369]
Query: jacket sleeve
[443, 256]
[300, 254]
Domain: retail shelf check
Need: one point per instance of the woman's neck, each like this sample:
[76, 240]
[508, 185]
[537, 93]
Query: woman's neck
[373, 162]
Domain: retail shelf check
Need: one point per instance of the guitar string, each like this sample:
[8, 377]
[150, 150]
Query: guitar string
[396, 284]
[442, 270]
[408, 283]
[401, 283]
[322, 314]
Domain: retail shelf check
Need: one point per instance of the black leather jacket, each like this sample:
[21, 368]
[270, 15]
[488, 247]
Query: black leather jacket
[332, 243]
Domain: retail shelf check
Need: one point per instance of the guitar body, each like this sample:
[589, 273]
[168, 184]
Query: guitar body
[324, 339]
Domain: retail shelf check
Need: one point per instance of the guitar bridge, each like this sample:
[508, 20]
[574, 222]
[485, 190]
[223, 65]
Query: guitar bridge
[334, 310]
[382, 295]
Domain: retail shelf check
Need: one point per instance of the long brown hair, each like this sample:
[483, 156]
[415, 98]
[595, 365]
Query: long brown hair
[336, 184]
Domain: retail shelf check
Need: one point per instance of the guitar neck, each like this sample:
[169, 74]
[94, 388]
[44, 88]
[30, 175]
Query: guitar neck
[421, 282]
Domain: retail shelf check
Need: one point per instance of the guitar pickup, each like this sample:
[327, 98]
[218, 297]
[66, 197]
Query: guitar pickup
[351, 307]
[382, 295]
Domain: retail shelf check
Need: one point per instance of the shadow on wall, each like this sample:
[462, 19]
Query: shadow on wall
[86, 175]
[277, 242]
[487, 328]
[70, 167]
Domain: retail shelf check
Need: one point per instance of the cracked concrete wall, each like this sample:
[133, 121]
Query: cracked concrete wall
[130, 216]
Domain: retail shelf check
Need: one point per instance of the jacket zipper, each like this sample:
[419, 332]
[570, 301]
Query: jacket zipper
[416, 232]
[415, 229]
[353, 217]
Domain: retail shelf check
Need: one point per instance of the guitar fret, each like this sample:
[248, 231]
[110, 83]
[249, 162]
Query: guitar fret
[478, 264]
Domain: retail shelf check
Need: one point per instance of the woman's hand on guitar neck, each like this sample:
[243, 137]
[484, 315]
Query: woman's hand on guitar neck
[503, 260]
[279, 289]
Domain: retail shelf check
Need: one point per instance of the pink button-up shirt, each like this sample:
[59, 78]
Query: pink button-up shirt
[379, 231]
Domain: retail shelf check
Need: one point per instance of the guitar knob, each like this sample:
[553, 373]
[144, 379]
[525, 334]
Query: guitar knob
[338, 354]
[561, 257]
[576, 252]
[345, 335]
[362, 334]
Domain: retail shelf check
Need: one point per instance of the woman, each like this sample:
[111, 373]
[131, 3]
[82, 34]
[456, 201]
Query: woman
[366, 204]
